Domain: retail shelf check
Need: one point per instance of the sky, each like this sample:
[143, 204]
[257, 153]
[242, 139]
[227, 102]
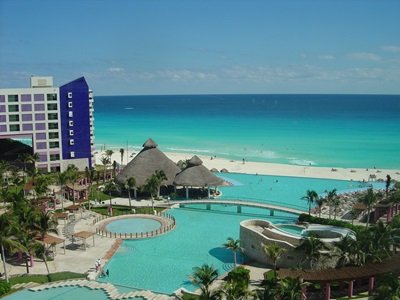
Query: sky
[142, 47]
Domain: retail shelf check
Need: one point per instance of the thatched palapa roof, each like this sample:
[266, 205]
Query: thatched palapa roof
[197, 175]
[146, 162]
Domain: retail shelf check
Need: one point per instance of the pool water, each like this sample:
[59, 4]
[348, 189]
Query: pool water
[133, 225]
[292, 229]
[283, 190]
[164, 264]
[61, 293]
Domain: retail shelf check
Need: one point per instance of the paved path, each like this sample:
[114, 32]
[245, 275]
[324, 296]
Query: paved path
[242, 203]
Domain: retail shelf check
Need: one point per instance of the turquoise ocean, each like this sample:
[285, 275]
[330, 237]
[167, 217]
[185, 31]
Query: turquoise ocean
[322, 130]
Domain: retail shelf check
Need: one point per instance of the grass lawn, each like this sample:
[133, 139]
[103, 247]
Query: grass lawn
[46, 278]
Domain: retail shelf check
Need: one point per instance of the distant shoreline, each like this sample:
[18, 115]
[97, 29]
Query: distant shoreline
[264, 168]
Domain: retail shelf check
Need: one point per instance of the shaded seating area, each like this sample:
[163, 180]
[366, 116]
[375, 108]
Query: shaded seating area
[198, 176]
[346, 276]
[53, 241]
[83, 235]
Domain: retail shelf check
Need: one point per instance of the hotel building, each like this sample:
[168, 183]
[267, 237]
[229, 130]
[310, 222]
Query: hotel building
[58, 120]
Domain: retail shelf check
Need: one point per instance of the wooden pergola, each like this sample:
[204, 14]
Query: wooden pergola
[63, 216]
[53, 240]
[345, 274]
[83, 235]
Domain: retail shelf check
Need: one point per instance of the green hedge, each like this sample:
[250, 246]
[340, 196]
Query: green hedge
[316, 220]
[4, 288]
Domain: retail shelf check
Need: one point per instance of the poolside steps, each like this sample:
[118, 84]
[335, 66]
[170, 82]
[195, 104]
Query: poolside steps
[109, 289]
[26, 285]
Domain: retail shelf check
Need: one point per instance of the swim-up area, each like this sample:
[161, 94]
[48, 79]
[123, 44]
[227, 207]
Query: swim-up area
[164, 263]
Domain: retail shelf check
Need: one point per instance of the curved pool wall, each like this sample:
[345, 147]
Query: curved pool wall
[254, 234]
[134, 226]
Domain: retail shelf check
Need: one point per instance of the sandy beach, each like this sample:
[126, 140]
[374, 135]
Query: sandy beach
[264, 168]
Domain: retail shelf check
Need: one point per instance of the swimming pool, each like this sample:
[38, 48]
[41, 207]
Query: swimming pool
[283, 190]
[163, 264]
[133, 225]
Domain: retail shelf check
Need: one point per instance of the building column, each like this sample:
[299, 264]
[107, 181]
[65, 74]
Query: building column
[208, 206]
[239, 209]
[187, 192]
[208, 192]
[371, 283]
[328, 291]
[271, 212]
[350, 288]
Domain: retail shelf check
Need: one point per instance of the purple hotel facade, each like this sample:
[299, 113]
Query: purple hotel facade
[59, 121]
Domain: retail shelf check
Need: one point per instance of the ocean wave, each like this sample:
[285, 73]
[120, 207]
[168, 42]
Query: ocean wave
[172, 149]
[128, 108]
[302, 162]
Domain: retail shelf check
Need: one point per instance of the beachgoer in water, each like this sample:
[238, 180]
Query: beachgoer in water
[107, 273]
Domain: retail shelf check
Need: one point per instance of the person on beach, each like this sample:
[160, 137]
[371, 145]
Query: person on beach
[108, 273]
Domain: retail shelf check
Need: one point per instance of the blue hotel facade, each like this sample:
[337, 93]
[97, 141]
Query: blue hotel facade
[59, 121]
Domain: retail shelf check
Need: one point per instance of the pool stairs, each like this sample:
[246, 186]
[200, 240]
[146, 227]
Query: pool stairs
[110, 290]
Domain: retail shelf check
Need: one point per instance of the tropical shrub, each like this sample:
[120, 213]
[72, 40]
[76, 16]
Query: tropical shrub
[317, 220]
[5, 287]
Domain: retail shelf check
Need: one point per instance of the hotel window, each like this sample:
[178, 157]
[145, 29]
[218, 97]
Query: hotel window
[71, 133]
[12, 98]
[53, 125]
[53, 145]
[13, 108]
[13, 118]
[52, 116]
[53, 135]
[71, 123]
[70, 114]
[51, 97]
[54, 157]
[71, 142]
[14, 127]
[52, 106]
[69, 104]
[69, 95]
[72, 154]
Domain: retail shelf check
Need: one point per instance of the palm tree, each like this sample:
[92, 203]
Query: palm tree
[7, 239]
[105, 161]
[348, 249]
[73, 175]
[111, 187]
[311, 197]
[274, 252]
[62, 178]
[233, 245]
[387, 183]
[109, 153]
[131, 183]
[320, 202]
[291, 288]
[330, 197]
[336, 203]
[151, 187]
[368, 200]
[203, 277]
[312, 247]
[121, 150]
[42, 185]
[152, 184]
[160, 176]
